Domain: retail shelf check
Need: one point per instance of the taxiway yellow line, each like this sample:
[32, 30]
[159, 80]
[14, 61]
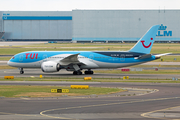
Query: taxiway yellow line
[99, 105]
[146, 114]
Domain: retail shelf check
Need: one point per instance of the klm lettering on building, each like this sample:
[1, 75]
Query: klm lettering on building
[162, 31]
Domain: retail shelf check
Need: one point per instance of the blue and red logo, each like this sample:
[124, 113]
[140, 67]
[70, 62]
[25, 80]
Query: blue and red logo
[31, 55]
[147, 45]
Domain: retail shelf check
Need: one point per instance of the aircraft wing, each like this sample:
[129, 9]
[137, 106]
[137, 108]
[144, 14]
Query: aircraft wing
[71, 59]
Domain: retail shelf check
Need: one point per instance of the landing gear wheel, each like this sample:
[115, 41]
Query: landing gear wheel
[21, 72]
[77, 73]
[89, 72]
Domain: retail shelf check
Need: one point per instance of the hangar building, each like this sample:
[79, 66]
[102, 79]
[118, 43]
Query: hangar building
[124, 25]
[88, 25]
[36, 25]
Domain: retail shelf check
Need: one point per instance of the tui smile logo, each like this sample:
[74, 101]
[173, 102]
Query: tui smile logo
[142, 41]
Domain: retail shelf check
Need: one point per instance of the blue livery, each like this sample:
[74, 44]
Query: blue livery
[76, 61]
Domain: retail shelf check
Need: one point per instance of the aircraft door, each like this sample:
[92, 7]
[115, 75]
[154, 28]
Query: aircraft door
[91, 56]
[122, 57]
[20, 58]
[44, 58]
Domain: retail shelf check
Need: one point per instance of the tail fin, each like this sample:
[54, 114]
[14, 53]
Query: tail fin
[145, 44]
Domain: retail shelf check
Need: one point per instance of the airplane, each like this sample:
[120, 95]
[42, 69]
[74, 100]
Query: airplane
[76, 61]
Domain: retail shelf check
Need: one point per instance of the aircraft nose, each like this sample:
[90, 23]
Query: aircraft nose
[9, 63]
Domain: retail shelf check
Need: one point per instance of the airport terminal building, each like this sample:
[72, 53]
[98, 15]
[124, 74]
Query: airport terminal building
[88, 25]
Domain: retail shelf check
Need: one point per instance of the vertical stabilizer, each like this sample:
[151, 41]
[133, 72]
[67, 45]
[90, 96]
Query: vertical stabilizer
[145, 44]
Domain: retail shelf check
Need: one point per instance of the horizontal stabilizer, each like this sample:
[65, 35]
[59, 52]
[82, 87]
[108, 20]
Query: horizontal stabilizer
[160, 55]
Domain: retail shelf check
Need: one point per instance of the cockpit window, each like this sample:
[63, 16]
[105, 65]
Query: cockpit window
[13, 57]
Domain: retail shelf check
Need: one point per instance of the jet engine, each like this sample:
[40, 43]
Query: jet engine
[50, 66]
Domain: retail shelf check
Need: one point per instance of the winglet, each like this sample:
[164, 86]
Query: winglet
[145, 44]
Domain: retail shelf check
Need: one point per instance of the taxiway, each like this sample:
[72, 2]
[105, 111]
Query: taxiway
[64, 73]
[93, 108]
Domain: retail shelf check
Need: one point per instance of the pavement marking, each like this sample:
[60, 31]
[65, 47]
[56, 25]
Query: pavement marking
[146, 114]
[99, 105]
[25, 98]
[18, 114]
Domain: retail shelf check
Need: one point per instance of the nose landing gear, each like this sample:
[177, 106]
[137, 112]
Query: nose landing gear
[21, 71]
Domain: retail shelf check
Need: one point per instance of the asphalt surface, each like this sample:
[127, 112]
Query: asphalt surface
[91, 108]
[64, 73]
[19, 43]
[94, 107]
[114, 107]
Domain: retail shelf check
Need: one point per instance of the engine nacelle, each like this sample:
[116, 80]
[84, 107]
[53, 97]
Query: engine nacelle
[50, 66]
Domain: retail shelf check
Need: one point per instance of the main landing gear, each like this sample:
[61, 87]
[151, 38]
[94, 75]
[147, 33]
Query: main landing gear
[89, 72]
[77, 72]
[21, 71]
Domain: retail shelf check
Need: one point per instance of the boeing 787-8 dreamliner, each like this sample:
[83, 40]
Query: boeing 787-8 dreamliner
[53, 61]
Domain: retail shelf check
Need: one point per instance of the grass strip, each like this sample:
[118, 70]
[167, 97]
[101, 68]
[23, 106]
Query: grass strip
[160, 71]
[157, 47]
[5, 58]
[6, 67]
[73, 79]
[45, 91]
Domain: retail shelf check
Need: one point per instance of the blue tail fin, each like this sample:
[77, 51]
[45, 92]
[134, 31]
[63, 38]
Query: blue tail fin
[145, 44]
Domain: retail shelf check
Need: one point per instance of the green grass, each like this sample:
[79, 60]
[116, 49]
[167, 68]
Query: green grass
[45, 91]
[60, 47]
[73, 79]
[6, 67]
[165, 48]
[138, 72]
[5, 58]
[169, 58]
[157, 47]
[155, 66]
